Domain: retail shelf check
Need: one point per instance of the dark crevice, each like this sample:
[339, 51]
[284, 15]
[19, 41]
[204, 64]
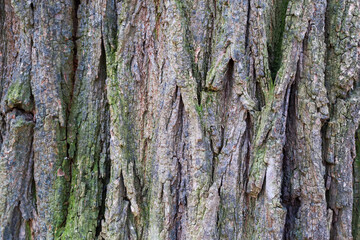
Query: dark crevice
[19, 111]
[3, 45]
[356, 189]
[68, 166]
[247, 31]
[105, 177]
[30, 180]
[123, 191]
[176, 230]
[220, 213]
[228, 80]
[179, 204]
[123, 194]
[325, 148]
[213, 164]
[227, 89]
[277, 26]
[290, 199]
[329, 53]
[324, 129]
[75, 52]
[33, 186]
[73, 79]
[259, 94]
[248, 137]
[208, 50]
[12, 230]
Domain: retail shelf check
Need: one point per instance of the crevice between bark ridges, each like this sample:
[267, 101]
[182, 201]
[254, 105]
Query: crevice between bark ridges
[289, 198]
[356, 187]
[248, 138]
[277, 27]
[70, 155]
[228, 85]
[325, 127]
[105, 176]
[2, 47]
[247, 31]
[176, 228]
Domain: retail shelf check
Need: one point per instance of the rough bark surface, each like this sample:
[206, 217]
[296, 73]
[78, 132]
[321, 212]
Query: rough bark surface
[180, 119]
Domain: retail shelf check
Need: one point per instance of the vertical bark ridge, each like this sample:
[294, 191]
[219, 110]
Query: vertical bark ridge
[309, 170]
[16, 167]
[341, 83]
[52, 86]
[17, 205]
[87, 132]
[126, 57]
[269, 137]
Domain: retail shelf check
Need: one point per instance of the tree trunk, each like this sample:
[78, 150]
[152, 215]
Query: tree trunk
[180, 119]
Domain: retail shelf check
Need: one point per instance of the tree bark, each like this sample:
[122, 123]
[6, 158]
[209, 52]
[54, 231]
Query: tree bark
[170, 119]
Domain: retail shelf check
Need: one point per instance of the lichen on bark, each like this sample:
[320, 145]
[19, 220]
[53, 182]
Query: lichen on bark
[169, 119]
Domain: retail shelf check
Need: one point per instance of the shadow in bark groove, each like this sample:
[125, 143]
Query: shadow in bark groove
[227, 90]
[105, 177]
[277, 26]
[356, 197]
[180, 204]
[75, 62]
[289, 199]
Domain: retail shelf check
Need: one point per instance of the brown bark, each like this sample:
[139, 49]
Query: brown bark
[179, 119]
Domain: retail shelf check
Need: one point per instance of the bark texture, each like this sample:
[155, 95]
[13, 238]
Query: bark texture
[180, 119]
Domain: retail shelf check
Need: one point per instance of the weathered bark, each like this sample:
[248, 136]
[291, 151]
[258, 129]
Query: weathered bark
[180, 119]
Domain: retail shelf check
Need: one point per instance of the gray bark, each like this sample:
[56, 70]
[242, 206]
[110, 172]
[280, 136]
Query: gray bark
[169, 119]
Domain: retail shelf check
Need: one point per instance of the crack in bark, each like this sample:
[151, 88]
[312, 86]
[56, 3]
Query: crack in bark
[356, 197]
[247, 31]
[105, 177]
[289, 198]
[277, 26]
[75, 63]
[175, 225]
[248, 136]
[3, 44]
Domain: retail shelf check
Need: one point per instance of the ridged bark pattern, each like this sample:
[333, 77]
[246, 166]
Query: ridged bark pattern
[180, 119]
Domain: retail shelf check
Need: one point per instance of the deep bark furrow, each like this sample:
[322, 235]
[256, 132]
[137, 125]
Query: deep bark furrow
[356, 189]
[277, 15]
